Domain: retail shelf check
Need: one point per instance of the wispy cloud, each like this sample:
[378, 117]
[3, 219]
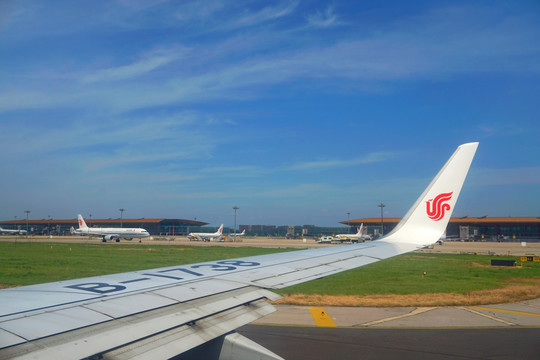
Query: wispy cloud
[192, 99]
[266, 14]
[323, 19]
[334, 164]
[140, 67]
[431, 47]
[118, 145]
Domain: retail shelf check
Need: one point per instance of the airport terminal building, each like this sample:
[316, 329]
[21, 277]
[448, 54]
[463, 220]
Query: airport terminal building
[156, 227]
[469, 228]
[463, 228]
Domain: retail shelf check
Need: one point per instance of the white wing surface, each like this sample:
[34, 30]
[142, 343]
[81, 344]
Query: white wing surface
[194, 309]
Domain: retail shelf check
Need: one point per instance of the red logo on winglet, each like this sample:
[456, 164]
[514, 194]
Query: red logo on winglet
[436, 207]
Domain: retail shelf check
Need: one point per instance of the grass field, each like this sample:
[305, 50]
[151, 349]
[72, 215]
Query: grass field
[404, 275]
[446, 276]
[26, 263]
[400, 281]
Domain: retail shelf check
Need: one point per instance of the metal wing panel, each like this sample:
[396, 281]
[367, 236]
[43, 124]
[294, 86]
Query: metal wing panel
[9, 339]
[129, 305]
[300, 276]
[328, 266]
[136, 329]
[198, 289]
[171, 343]
[45, 324]
[314, 263]
[280, 281]
[36, 298]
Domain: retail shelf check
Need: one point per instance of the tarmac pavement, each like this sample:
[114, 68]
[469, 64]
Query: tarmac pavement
[503, 331]
[508, 248]
[523, 314]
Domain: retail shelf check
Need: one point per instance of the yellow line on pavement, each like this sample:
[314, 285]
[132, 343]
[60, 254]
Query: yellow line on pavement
[491, 317]
[321, 317]
[504, 311]
[412, 313]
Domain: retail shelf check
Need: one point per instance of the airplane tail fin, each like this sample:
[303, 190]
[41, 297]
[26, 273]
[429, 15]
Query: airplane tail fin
[427, 219]
[220, 230]
[360, 229]
[82, 223]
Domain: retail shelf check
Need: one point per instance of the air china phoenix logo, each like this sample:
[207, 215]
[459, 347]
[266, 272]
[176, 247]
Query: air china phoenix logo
[436, 208]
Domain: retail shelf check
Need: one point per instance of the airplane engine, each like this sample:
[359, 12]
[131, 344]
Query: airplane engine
[107, 238]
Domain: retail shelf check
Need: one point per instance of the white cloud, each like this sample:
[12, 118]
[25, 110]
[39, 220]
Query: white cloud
[148, 62]
[128, 71]
[433, 46]
[323, 19]
[334, 164]
[265, 14]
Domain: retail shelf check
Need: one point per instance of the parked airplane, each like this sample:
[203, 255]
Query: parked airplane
[354, 237]
[238, 234]
[193, 309]
[109, 233]
[218, 235]
[13, 232]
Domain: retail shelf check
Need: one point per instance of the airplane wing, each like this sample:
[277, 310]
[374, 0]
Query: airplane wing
[193, 309]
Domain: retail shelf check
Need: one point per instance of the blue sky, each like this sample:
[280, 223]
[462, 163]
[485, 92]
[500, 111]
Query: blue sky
[298, 112]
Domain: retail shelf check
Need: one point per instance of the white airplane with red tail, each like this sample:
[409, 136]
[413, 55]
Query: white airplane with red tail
[109, 233]
[218, 235]
[191, 310]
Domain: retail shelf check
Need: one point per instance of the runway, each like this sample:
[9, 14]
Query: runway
[301, 343]
[450, 247]
[505, 331]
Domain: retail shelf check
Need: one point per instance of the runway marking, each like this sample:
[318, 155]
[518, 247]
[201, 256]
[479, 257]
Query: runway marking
[488, 316]
[505, 311]
[412, 313]
[361, 327]
[321, 317]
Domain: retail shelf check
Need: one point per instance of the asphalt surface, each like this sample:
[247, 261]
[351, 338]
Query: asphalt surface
[504, 331]
[301, 343]
[523, 314]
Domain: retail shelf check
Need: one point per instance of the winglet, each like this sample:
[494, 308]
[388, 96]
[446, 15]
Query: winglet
[82, 223]
[427, 219]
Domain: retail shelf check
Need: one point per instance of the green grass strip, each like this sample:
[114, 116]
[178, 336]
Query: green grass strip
[25, 263]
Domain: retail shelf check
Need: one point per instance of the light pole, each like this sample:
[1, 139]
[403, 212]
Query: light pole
[381, 205]
[121, 216]
[235, 208]
[27, 212]
[348, 221]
